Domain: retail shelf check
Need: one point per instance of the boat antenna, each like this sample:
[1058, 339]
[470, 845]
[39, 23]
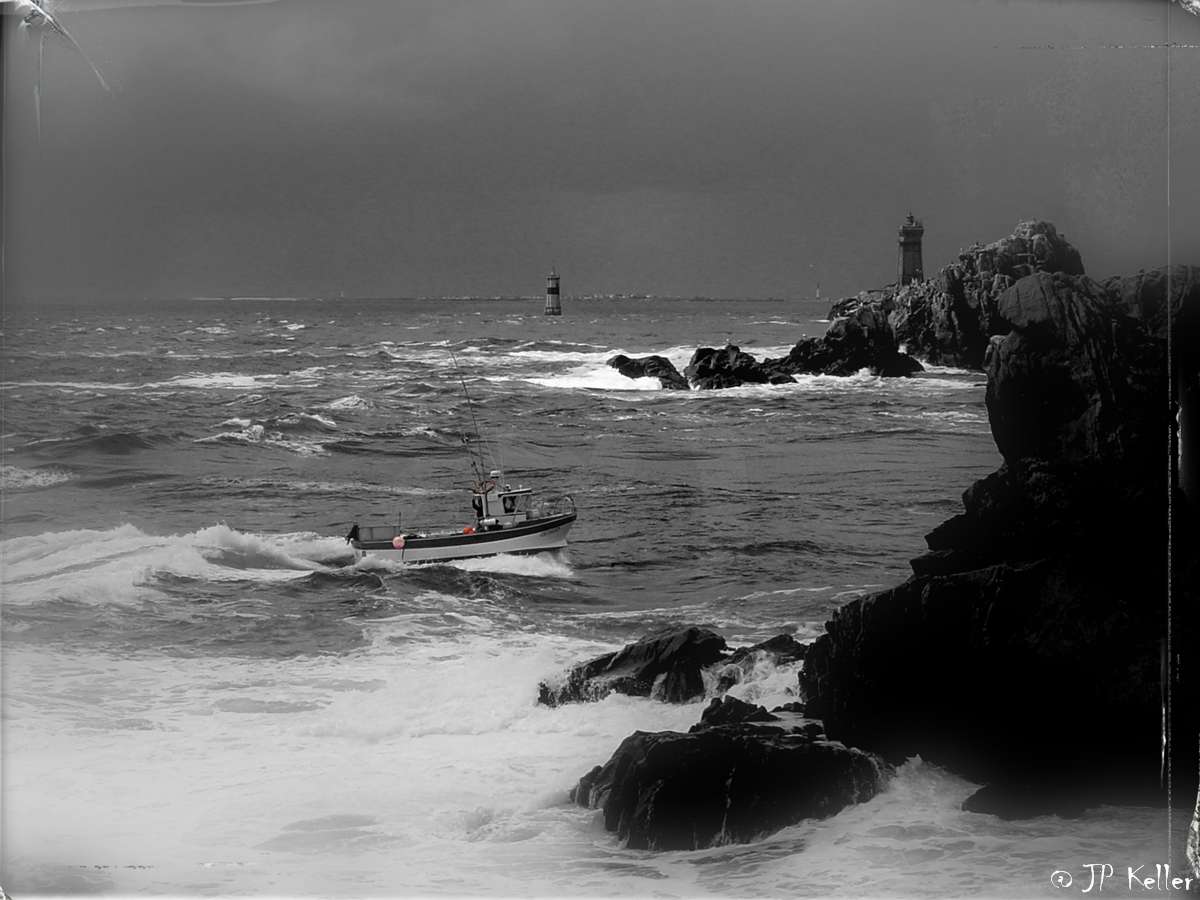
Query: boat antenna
[476, 465]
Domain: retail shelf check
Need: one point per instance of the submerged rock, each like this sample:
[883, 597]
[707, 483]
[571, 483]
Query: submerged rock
[666, 664]
[723, 784]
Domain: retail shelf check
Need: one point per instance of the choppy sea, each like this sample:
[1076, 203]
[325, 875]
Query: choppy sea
[204, 694]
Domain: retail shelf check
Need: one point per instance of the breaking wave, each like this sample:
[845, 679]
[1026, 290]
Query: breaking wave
[121, 565]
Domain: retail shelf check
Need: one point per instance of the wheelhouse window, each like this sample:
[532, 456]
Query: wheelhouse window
[515, 503]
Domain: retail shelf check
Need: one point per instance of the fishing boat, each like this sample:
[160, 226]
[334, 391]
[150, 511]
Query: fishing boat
[507, 520]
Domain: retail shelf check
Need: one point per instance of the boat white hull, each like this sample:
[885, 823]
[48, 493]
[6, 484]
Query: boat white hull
[442, 548]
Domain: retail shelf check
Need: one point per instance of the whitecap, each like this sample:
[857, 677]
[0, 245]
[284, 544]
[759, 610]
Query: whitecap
[258, 435]
[14, 478]
[353, 401]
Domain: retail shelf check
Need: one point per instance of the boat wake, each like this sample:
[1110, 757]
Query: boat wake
[541, 565]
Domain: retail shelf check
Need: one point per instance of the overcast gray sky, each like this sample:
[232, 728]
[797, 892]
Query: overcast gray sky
[681, 147]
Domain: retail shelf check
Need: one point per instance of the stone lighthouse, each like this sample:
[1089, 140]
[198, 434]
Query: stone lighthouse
[553, 306]
[910, 251]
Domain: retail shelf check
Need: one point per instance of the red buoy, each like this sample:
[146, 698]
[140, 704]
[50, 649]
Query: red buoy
[398, 542]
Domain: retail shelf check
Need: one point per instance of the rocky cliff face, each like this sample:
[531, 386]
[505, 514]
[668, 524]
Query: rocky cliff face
[1028, 648]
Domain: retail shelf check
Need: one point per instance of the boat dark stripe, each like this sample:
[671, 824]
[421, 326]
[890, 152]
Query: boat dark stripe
[466, 540]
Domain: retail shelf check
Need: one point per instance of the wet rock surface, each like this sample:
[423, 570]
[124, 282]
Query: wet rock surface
[666, 665]
[1049, 592]
[723, 784]
[650, 367]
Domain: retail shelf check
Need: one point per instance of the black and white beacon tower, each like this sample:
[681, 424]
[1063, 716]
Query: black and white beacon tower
[553, 305]
[911, 233]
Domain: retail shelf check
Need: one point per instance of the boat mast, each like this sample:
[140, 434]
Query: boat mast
[476, 464]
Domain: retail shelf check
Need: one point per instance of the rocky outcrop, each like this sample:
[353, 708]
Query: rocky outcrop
[723, 784]
[732, 711]
[949, 318]
[666, 665]
[860, 339]
[650, 367]
[1027, 649]
[783, 648]
[712, 369]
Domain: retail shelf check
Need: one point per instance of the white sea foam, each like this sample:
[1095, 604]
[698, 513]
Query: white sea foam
[541, 565]
[14, 478]
[72, 385]
[428, 763]
[119, 565]
[216, 381]
[590, 377]
[932, 369]
[311, 419]
[352, 401]
[258, 435]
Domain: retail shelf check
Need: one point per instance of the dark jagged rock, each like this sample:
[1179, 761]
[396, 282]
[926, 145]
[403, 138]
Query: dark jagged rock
[712, 369]
[731, 711]
[860, 339]
[676, 656]
[783, 648]
[1025, 800]
[1049, 590]
[793, 707]
[1071, 381]
[728, 783]
[650, 367]
[949, 318]
[933, 667]
[1144, 297]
